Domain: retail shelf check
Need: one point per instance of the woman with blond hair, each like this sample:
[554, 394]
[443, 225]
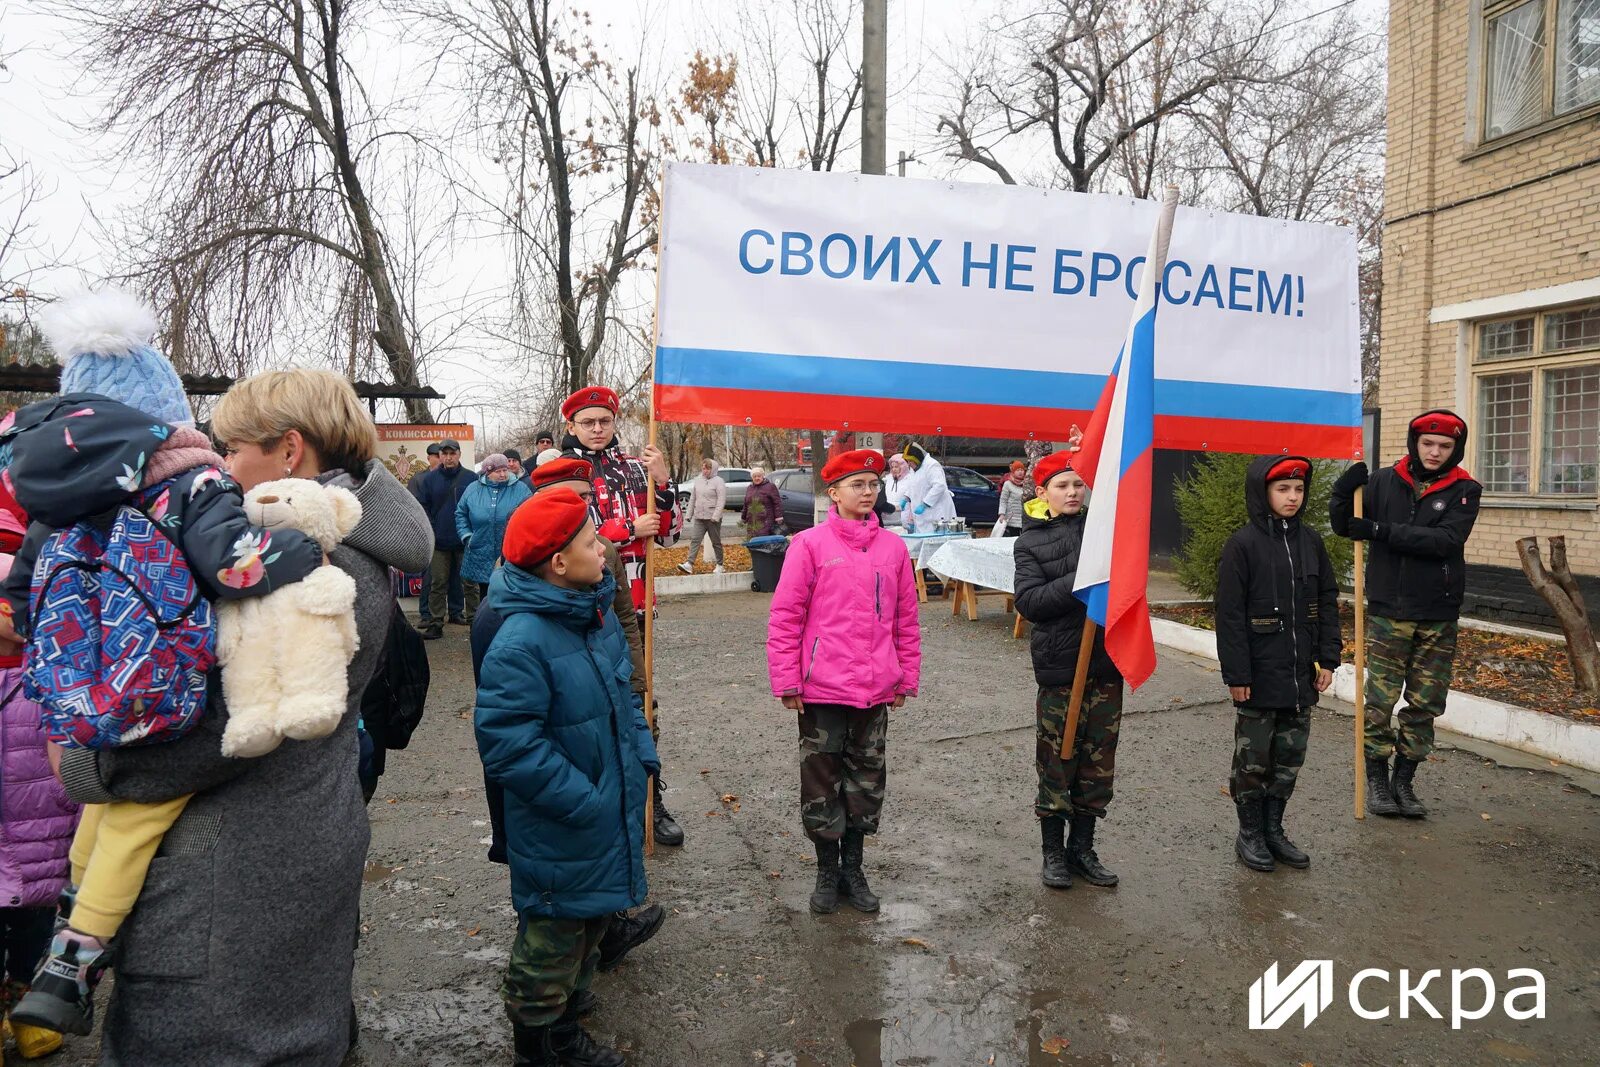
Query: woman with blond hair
[241, 948]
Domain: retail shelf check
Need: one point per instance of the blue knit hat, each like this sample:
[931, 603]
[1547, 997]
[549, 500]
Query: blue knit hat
[103, 342]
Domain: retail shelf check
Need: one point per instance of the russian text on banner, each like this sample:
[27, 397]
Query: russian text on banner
[801, 299]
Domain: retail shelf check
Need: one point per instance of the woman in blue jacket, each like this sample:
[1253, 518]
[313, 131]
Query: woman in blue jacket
[561, 731]
[481, 517]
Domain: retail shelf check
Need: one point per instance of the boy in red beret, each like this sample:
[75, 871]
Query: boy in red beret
[1078, 788]
[1277, 612]
[1418, 516]
[559, 730]
[622, 483]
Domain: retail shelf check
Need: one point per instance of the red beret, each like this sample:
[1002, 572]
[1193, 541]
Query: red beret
[861, 461]
[1439, 422]
[1050, 466]
[565, 469]
[543, 526]
[1292, 467]
[590, 396]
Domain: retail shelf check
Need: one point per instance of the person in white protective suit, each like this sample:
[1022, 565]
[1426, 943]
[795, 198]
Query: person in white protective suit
[924, 496]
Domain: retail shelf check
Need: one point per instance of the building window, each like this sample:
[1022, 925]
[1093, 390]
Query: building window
[1541, 61]
[1538, 403]
[1571, 430]
[1505, 408]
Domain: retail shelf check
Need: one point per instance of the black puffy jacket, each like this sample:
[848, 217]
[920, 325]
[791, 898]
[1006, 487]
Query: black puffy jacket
[1046, 558]
[1416, 561]
[1277, 604]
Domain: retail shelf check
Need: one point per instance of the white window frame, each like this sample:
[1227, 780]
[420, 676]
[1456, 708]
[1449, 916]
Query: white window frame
[1478, 109]
[1536, 364]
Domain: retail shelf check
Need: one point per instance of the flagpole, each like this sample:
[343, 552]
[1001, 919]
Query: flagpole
[650, 544]
[1361, 663]
[1080, 678]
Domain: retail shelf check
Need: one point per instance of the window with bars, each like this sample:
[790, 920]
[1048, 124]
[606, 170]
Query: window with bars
[1538, 403]
[1541, 60]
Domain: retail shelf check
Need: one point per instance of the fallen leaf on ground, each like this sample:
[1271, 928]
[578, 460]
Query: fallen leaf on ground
[474, 931]
[1053, 1046]
[917, 941]
[1485, 816]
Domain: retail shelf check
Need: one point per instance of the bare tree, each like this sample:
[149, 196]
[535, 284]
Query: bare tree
[1095, 81]
[577, 133]
[23, 255]
[265, 148]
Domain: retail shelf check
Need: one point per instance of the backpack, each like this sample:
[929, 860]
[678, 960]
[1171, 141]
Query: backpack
[392, 704]
[121, 638]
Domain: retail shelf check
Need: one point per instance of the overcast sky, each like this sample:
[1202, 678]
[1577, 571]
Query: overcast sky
[44, 109]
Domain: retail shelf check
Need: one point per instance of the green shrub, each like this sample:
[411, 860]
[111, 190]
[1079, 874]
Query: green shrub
[1211, 504]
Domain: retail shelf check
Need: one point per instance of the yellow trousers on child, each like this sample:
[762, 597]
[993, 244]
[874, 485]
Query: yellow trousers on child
[111, 855]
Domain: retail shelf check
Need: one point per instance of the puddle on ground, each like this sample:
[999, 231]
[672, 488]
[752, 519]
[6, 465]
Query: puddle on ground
[375, 872]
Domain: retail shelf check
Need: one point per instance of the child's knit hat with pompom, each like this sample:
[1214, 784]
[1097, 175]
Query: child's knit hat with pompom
[103, 343]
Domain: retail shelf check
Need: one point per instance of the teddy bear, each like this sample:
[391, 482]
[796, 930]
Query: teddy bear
[285, 656]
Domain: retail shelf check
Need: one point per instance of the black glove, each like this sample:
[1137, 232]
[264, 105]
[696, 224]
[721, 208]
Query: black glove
[1351, 480]
[1363, 530]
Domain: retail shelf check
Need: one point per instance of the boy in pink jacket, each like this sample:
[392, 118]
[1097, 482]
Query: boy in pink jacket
[843, 647]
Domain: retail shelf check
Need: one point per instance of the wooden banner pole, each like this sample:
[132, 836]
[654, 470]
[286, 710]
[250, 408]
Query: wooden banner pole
[1080, 678]
[1361, 664]
[650, 543]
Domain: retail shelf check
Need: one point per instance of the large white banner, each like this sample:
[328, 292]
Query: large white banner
[803, 299]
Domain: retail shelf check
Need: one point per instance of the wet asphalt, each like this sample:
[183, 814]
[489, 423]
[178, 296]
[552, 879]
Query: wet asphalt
[971, 961]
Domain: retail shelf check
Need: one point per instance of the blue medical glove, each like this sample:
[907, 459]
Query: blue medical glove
[920, 509]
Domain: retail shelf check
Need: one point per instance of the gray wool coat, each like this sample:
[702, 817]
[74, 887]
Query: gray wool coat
[241, 948]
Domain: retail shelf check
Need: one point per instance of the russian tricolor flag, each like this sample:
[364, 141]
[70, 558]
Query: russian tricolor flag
[1114, 562]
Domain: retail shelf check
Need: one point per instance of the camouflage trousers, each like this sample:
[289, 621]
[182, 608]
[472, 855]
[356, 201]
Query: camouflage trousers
[1082, 783]
[1415, 656]
[1269, 748]
[551, 960]
[842, 769]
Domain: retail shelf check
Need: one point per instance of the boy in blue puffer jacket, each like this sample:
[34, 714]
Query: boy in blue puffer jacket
[561, 732]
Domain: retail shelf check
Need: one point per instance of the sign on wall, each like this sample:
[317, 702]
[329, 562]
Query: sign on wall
[802, 299]
[403, 447]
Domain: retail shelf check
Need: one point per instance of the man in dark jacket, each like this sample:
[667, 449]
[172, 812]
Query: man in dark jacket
[1418, 516]
[1277, 612]
[441, 491]
[454, 599]
[1080, 787]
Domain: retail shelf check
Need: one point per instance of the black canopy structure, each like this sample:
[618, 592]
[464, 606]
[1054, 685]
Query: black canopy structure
[46, 378]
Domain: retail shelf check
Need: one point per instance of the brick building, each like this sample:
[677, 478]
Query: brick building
[1491, 267]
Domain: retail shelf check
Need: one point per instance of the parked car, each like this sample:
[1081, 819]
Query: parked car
[738, 481]
[794, 486]
[977, 501]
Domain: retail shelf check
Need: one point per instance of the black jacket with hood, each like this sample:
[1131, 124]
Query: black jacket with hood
[1277, 604]
[1047, 563]
[1416, 563]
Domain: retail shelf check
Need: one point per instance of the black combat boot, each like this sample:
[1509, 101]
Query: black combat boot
[1379, 800]
[668, 832]
[1056, 875]
[574, 1046]
[1283, 850]
[1081, 858]
[531, 1045]
[1405, 800]
[852, 882]
[825, 898]
[628, 932]
[582, 1003]
[1251, 844]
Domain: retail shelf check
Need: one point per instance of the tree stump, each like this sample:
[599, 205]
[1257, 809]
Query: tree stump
[1560, 590]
